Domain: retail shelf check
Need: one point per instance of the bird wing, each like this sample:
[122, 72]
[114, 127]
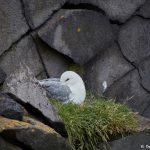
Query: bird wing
[56, 89]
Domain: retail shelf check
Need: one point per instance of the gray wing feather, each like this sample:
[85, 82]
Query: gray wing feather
[56, 89]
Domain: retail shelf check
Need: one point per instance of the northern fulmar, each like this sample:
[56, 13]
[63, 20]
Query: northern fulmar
[68, 88]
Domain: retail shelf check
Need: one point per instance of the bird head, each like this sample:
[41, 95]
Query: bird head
[70, 78]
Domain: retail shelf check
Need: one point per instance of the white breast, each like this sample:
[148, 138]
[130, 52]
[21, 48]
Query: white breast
[78, 93]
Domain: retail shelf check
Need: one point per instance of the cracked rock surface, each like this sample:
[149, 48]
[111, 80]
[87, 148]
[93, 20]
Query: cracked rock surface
[31, 134]
[24, 86]
[108, 67]
[23, 52]
[12, 23]
[128, 90]
[106, 41]
[70, 32]
[119, 10]
[134, 39]
[37, 12]
[144, 10]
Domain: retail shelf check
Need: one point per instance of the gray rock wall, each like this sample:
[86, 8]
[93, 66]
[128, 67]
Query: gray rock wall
[109, 40]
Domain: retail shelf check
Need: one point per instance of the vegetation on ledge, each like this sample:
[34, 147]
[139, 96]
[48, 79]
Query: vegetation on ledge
[95, 121]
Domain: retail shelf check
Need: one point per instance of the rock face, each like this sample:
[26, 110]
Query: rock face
[9, 108]
[136, 141]
[37, 12]
[129, 91]
[134, 39]
[2, 76]
[24, 86]
[70, 32]
[54, 62]
[12, 23]
[105, 41]
[31, 134]
[119, 10]
[131, 142]
[106, 69]
[144, 10]
[4, 145]
[23, 52]
[146, 112]
[144, 70]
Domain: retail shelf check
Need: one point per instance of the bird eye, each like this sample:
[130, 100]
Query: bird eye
[67, 79]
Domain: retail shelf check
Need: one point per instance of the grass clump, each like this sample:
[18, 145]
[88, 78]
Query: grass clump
[95, 121]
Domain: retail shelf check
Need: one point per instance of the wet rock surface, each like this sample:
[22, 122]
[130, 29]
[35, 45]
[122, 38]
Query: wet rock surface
[70, 32]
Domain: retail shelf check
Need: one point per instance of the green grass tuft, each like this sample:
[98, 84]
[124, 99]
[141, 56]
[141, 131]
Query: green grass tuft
[95, 121]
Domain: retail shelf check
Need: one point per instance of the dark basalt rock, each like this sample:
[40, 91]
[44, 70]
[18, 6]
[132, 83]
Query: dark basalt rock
[145, 10]
[37, 12]
[23, 52]
[54, 62]
[4, 145]
[22, 84]
[135, 141]
[31, 134]
[146, 112]
[12, 23]
[106, 69]
[10, 108]
[119, 10]
[2, 76]
[132, 142]
[72, 33]
[144, 70]
[134, 39]
[128, 91]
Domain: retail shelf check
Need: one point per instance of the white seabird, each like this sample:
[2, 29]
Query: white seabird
[69, 88]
